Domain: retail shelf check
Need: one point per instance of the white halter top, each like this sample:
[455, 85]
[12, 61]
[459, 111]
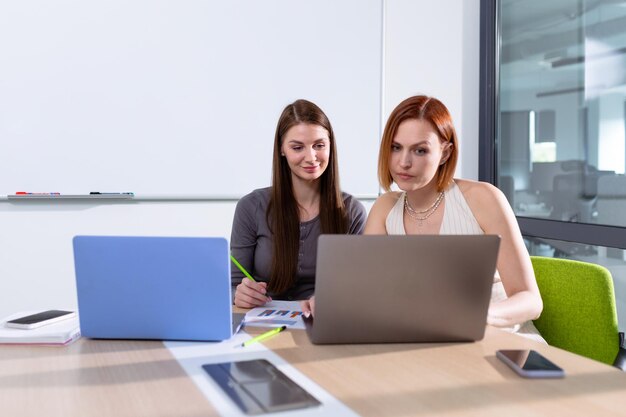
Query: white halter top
[458, 218]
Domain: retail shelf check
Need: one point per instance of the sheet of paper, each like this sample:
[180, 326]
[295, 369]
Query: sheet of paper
[275, 314]
[192, 355]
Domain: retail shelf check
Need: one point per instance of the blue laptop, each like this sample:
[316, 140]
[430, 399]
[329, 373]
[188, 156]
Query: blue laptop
[165, 288]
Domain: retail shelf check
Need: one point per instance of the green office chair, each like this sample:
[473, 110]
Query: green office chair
[579, 313]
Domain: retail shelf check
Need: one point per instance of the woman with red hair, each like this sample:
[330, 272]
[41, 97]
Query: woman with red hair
[419, 152]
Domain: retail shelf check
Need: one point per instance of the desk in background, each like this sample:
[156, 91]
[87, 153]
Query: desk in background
[141, 378]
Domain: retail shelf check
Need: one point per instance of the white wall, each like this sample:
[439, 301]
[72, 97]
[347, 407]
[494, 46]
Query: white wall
[36, 263]
[430, 47]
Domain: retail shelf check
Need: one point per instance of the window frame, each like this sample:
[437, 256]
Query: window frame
[586, 233]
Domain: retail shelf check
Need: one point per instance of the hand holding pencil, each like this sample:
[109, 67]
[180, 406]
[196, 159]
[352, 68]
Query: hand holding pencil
[250, 293]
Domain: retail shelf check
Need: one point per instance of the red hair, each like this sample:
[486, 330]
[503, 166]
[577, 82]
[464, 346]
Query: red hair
[434, 112]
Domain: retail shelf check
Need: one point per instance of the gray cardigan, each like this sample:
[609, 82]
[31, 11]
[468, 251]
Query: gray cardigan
[251, 242]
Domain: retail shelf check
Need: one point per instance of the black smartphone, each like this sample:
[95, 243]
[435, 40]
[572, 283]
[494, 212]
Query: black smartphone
[530, 363]
[40, 319]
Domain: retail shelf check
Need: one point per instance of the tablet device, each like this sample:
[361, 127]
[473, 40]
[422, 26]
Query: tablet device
[258, 387]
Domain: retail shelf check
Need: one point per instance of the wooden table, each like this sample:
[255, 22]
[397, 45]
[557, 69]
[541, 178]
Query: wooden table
[141, 378]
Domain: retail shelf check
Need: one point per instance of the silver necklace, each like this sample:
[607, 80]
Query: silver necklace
[420, 216]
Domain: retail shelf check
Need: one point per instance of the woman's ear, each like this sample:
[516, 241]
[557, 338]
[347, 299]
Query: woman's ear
[445, 154]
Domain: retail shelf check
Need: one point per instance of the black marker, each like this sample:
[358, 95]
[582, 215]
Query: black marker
[99, 193]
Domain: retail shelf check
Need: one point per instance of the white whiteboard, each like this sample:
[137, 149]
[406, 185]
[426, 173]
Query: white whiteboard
[175, 98]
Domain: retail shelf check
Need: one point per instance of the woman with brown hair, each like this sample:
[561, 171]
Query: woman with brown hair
[418, 153]
[275, 229]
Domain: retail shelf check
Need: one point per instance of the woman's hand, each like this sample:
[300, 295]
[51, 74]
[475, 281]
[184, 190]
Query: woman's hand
[251, 294]
[513, 310]
[308, 307]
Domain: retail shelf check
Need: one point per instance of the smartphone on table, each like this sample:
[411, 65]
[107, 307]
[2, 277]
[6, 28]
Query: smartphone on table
[530, 363]
[34, 321]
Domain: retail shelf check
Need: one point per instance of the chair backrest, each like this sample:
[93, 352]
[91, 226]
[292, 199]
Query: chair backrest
[579, 313]
[611, 200]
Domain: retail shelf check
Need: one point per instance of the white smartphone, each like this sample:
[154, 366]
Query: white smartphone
[40, 319]
[530, 364]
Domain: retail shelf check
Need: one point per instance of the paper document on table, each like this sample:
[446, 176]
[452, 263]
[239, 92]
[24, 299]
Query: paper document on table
[192, 356]
[275, 314]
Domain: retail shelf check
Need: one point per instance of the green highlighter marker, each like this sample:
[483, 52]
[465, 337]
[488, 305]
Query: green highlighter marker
[242, 269]
[264, 336]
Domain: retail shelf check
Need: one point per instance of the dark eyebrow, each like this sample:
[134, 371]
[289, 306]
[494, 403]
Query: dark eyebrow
[297, 142]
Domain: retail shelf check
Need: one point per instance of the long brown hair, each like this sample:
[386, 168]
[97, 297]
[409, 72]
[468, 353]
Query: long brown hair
[434, 112]
[283, 212]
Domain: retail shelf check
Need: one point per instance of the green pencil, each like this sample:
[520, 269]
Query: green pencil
[264, 336]
[241, 268]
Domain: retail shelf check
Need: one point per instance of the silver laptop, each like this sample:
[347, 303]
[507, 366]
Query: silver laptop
[390, 289]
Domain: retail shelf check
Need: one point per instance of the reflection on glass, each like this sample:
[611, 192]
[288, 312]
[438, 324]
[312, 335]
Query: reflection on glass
[612, 259]
[562, 116]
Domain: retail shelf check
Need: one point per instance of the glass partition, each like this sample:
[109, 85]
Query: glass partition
[553, 125]
[561, 114]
